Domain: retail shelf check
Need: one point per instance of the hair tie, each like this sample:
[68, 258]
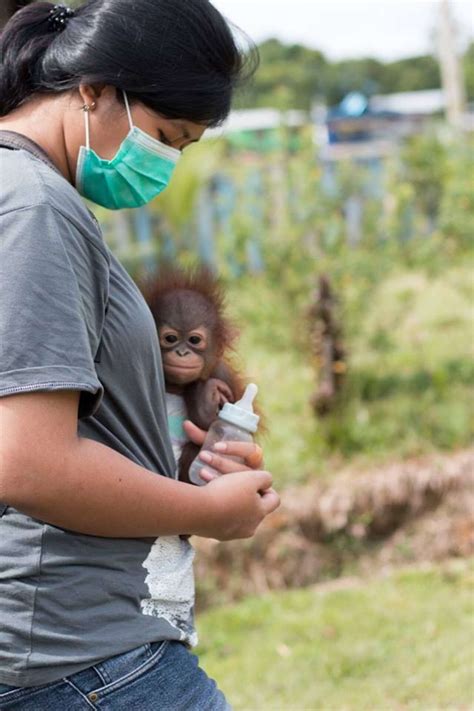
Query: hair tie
[59, 17]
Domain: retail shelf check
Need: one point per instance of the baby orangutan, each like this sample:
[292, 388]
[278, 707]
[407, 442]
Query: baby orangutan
[195, 339]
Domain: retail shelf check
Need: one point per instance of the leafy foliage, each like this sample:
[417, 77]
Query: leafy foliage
[424, 167]
[404, 285]
[409, 380]
[468, 70]
[293, 76]
[456, 218]
[288, 76]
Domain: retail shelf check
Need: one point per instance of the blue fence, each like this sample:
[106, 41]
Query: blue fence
[238, 214]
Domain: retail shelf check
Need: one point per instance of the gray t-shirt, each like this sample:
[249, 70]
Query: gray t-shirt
[71, 318]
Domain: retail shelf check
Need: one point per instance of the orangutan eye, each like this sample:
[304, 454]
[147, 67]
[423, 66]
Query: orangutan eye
[195, 340]
[171, 338]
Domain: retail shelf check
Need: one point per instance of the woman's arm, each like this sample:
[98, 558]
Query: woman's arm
[51, 474]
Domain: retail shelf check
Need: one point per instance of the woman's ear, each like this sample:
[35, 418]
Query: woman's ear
[87, 94]
[90, 93]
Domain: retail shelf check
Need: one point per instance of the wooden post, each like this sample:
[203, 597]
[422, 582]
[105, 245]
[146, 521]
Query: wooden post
[451, 70]
[326, 341]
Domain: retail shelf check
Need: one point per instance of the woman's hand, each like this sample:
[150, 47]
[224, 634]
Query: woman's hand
[236, 504]
[250, 452]
[239, 502]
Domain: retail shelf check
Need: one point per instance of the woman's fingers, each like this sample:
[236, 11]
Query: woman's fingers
[207, 476]
[250, 452]
[270, 500]
[222, 464]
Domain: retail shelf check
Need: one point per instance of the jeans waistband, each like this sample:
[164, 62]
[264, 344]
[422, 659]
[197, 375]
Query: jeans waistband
[115, 668]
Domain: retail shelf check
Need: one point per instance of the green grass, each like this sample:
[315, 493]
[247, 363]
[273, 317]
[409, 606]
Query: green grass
[405, 642]
[410, 335]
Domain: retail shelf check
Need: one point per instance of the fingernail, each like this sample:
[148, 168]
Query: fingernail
[206, 474]
[220, 447]
[206, 457]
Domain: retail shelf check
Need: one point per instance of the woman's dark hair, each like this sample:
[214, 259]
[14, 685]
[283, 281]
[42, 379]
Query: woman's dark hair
[179, 57]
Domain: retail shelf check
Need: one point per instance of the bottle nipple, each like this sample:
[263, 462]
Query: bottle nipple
[246, 402]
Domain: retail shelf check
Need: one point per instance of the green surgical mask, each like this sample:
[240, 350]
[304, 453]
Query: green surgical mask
[138, 172]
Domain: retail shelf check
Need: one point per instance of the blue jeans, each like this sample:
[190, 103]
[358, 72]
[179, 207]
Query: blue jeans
[161, 676]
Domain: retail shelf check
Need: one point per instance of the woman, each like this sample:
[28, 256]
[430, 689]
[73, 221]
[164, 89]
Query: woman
[96, 588]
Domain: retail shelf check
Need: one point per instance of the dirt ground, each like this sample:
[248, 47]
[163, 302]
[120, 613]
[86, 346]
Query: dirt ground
[420, 510]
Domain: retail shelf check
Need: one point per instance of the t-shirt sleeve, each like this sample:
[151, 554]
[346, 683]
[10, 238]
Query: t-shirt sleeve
[54, 285]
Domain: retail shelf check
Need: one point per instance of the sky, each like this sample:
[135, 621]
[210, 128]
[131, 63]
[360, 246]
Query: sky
[385, 29]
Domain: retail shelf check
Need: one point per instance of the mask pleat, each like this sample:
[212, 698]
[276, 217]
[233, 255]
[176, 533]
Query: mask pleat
[140, 170]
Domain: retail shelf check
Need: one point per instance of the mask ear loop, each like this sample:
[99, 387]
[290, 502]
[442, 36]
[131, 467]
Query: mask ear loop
[127, 106]
[86, 110]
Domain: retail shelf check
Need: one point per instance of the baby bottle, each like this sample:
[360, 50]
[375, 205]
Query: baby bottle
[235, 423]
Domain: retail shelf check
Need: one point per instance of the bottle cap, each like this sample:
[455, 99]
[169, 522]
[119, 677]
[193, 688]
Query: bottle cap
[241, 413]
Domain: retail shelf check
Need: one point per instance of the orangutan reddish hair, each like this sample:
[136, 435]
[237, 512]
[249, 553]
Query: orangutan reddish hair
[196, 339]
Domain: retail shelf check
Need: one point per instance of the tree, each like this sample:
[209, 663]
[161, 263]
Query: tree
[289, 77]
[411, 74]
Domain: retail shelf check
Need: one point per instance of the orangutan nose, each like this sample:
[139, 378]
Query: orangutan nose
[182, 352]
